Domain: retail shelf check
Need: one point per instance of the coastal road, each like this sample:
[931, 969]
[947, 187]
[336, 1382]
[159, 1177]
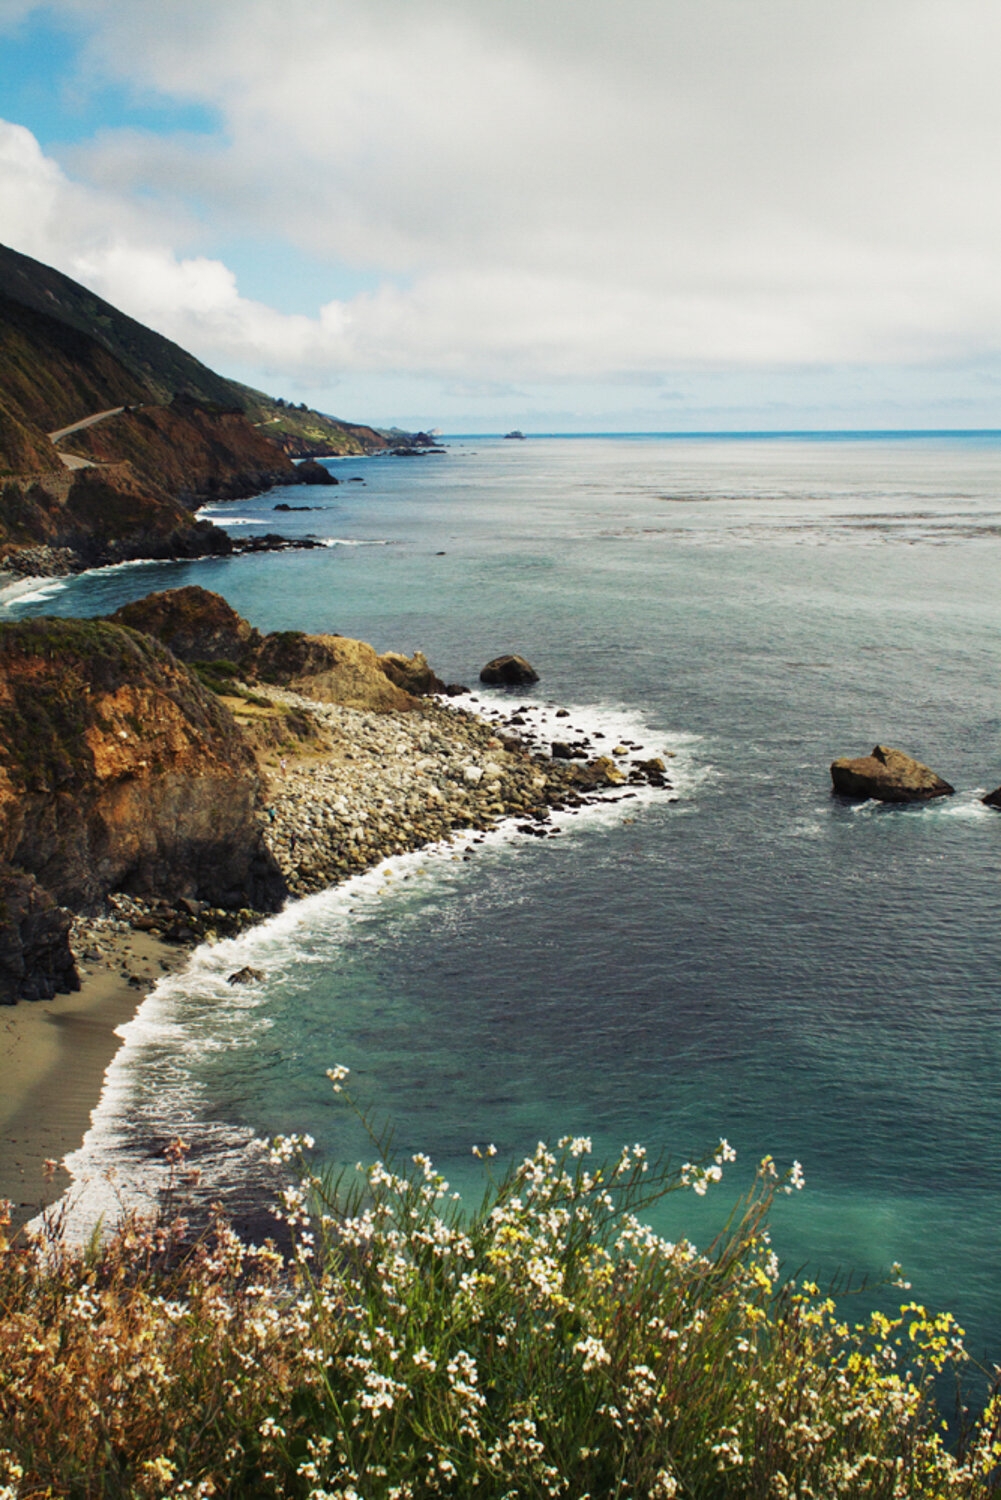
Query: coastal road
[74, 460]
[98, 416]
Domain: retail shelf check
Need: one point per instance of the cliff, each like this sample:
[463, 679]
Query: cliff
[164, 433]
[96, 516]
[120, 772]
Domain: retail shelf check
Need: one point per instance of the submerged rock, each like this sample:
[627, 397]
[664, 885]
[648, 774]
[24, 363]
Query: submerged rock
[508, 671]
[246, 975]
[888, 776]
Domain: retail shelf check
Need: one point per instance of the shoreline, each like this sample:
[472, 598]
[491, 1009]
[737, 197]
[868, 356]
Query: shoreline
[54, 1055]
[370, 786]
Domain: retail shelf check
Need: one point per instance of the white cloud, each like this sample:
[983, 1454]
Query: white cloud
[566, 189]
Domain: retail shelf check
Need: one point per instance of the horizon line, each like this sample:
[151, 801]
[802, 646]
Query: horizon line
[741, 432]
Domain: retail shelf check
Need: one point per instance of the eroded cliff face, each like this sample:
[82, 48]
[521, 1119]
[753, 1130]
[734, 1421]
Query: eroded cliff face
[119, 771]
[192, 453]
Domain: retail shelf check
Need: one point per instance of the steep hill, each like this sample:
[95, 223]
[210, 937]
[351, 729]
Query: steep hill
[154, 433]
[162, 368]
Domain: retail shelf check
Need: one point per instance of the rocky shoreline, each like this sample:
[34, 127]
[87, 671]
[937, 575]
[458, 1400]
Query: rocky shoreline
[379, 785]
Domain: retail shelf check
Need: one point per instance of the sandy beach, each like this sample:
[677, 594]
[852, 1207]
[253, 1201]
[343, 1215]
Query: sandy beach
[53, 1057]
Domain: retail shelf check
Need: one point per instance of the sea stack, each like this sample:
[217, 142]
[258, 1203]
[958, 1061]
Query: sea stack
[888, 776]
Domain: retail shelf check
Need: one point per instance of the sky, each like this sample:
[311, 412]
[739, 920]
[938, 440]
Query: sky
[558, 215]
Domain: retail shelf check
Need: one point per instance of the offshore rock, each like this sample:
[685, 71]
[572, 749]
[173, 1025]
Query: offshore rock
[993, 799]
[246, 975]
[509, 671]
[36, 961]
[888, 776]
[310, 472]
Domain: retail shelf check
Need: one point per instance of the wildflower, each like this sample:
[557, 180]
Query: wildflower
[594, 1353]
[337, 1076]
[159, 1469]
[794, 1178]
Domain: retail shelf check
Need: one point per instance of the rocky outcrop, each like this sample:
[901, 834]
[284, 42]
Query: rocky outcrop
[888, 776]
[993, 799]
[199, 626]
[99, 516]
[598, 773]
[411, 673]
[119, 771]
[330, 669]
[36, 960]
[194, 623]
[509, 671]
[310, 472]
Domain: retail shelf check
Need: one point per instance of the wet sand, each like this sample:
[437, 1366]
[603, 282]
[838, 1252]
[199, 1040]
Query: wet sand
[53, 1057]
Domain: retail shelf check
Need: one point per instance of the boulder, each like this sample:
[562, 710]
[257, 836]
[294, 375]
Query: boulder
[598, 773]
[888, 776]
[562, 751]
[411, 673]
[36, 961]
[246, 975]
[508, 671]
[993, 799]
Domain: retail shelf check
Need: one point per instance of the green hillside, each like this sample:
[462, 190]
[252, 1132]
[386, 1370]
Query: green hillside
[96, 356]
[302, 431]
[164, 368]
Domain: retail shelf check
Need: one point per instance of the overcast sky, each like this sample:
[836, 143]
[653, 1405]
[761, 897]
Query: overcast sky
[565, 215]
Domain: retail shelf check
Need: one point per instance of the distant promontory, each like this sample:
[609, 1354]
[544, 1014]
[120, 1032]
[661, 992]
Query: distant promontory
[111, 436]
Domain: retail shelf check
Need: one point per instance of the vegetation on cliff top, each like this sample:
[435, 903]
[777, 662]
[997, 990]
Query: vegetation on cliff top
[302, 432]
[547, 1343]
[55, 673]
[159, 366]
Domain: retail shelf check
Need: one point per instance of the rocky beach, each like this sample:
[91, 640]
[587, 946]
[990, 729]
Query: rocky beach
[342, 790]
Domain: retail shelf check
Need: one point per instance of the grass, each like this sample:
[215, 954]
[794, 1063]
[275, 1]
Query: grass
[542, 1344]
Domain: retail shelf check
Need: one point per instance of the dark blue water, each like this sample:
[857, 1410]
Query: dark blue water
[808, 978]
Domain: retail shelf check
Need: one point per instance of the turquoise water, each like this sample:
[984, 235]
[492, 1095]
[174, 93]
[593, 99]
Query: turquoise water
[808, 978]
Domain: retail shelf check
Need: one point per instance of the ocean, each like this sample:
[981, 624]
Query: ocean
[757, 960]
